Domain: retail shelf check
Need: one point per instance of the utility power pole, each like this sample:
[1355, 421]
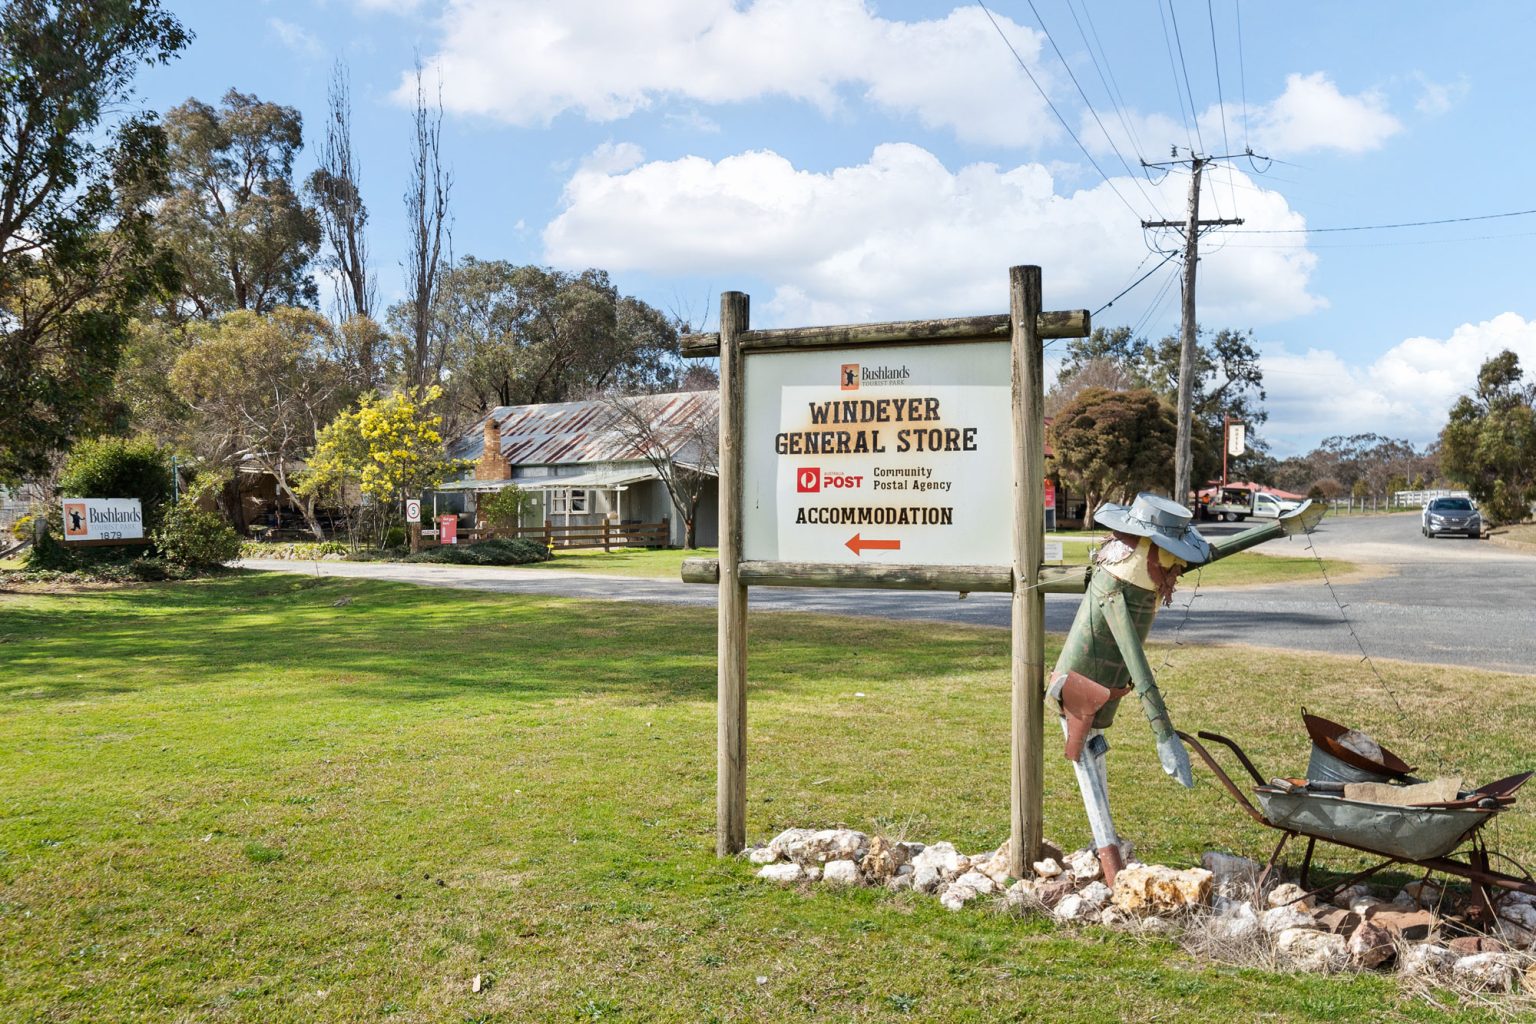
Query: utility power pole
[1191, 229]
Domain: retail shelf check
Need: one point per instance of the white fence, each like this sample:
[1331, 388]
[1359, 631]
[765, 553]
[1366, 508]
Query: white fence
[1418, 499]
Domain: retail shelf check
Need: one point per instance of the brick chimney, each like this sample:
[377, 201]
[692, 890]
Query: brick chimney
[492, 465]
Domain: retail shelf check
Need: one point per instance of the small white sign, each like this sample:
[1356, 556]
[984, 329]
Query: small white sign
[102, 519]
[1236, 436]
[413, 510]
[1053, 551]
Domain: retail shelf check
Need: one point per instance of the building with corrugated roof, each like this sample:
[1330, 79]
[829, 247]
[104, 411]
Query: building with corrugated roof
[596, 461]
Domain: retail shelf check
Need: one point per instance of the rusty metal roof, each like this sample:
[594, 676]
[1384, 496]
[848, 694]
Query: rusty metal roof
[563, 433]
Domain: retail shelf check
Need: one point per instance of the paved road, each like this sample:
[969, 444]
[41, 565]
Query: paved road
[1447, 601]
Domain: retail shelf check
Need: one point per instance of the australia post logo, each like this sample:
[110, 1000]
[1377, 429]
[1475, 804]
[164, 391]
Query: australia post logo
[810, 480]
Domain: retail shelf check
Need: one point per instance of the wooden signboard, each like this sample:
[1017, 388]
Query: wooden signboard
[896, 455]
[95, 522]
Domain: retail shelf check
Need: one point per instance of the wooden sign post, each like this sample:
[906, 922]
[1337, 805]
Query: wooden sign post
[903, 455]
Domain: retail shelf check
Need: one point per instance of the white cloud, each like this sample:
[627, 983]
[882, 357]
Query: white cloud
[1312, 114]
[527, 61]
[900, 236]
[296, 38]
[388, 6]
[1436, 98]
[1406, 392]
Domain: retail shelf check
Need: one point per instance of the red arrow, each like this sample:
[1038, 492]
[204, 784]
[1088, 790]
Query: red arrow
[858, 546]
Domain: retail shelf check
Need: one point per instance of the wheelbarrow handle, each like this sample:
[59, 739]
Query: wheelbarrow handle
[1253, 772]
[1222, 776]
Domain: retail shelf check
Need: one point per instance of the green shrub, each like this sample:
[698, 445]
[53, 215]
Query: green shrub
[21, 529]
[503, 509]
[195, 538]
[115, 467]
[394, 537]
[485, 552]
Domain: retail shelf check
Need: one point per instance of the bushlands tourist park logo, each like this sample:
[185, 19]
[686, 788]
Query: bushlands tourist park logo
[852, 376]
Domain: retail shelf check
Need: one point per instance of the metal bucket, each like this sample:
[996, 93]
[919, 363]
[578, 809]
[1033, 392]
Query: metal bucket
[1324, 767]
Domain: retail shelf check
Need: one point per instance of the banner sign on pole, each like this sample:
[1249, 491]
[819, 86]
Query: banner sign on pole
[903, 457]
[1236, 436]
[413, 510]
[102, 519]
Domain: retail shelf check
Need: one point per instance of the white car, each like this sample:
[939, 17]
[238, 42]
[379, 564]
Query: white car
[1267, 506]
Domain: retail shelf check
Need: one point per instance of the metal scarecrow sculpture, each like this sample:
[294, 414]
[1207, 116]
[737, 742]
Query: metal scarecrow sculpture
[1103, 660]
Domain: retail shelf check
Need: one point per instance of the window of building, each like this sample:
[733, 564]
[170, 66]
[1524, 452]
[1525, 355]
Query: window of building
[565, 500]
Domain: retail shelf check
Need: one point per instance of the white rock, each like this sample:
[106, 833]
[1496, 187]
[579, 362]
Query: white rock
[1239, 921]
[1345, 898]
[1279, 919]
[790, 872]
[785, 843]
[1114, 917]
[905, 869]
[955, 896]
[831, 844]
[813, 873]
[994, 865]
[1084, 865]
[926, 878]
[1047, 868]
[1022, 893]
[1147, 890]
[1370, 945]
[1492, 972]
[1289, 894]
[1312, 950]
[1228, 869]
[1071, 908]
[1155, 925]
[896, 883]
[1364, 903]
[1096, 895]
[762, 855]
[1426, 958]
[1521, 913]
[980, 883]
[840, 872]
[943, 858]
[1423, 893]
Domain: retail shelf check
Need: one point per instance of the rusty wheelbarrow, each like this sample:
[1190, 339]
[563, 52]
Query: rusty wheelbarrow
[1424, 835]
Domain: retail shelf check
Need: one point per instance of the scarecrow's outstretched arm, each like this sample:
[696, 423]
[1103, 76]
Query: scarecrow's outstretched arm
[1289, 524]
[1170, 751]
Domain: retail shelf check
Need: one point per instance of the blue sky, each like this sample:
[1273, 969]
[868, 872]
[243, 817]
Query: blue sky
[845, 161]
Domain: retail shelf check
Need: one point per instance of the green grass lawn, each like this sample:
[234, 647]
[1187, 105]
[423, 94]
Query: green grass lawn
[275, 799]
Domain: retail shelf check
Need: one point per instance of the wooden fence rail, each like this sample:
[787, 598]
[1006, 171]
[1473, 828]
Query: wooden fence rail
[592, 535]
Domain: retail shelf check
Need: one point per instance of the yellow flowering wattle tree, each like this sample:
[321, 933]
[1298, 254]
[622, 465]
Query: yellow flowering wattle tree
[368, 460]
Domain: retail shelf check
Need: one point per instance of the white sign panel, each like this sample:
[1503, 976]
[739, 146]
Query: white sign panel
[103, 519]
[413, 510]
[894, 455]
[1053, 551]
[1236, 435]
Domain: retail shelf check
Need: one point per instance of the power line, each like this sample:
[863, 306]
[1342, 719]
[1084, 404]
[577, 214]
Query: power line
[1242, 72]
[1168, 256]
[1104, 67]
[1384, 227]
[1173, 16]
[1009, 43]
[1174, 67]
[1221, 103]
[1086, 102]
[1379, 245]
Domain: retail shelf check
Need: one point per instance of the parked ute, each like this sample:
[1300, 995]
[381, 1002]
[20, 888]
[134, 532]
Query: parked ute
[1229, 504]
[1267, 506]
[1451, 515]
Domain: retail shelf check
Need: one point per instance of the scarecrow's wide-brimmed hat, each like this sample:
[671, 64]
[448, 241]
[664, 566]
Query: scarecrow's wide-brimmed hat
[1169, 525]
